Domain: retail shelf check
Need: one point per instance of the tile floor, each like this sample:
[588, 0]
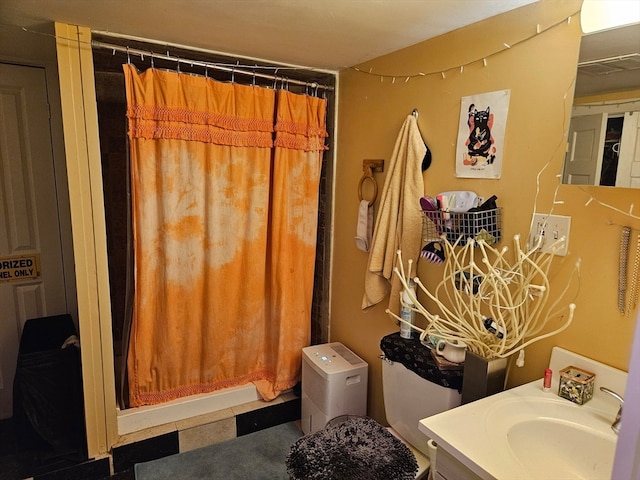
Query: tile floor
[17, 463]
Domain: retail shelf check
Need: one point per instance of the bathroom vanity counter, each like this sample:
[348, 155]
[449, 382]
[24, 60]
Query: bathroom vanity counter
[527, 433]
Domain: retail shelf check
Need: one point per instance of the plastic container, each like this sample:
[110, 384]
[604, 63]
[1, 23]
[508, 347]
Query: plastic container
[406, 313]
[546, 384]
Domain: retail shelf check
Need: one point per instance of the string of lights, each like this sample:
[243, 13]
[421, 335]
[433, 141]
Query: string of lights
[484, 60]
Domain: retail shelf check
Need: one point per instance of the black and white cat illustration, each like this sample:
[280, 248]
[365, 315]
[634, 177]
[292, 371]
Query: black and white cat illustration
[480, 141]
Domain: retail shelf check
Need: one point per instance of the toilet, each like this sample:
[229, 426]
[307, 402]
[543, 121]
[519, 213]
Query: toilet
[408, 398]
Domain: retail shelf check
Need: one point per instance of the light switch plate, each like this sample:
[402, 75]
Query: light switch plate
[551, 228]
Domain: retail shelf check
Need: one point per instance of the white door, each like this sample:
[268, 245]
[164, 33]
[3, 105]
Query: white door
[628, 174]
[586, 137]
[29, 224]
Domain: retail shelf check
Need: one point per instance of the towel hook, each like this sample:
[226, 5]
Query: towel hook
[368, 175]
[368, 167]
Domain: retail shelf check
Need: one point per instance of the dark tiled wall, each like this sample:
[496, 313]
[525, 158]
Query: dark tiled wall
[126, 456]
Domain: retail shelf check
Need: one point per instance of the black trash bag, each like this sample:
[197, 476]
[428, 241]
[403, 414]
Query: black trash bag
[48, 406]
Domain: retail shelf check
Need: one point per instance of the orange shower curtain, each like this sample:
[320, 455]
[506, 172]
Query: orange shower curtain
[224, 234]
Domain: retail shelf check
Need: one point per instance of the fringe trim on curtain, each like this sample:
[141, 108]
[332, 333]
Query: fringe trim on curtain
[299, 142]
[154, 398]
[301, 129]
[183, 115]
[198, 133]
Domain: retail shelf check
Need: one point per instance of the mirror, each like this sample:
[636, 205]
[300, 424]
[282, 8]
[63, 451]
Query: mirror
[604, 135]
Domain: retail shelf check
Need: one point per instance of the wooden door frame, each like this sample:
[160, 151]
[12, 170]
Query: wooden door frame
[84, 172]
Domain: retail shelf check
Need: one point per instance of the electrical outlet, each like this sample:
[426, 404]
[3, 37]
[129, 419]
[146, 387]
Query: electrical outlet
[550, 228]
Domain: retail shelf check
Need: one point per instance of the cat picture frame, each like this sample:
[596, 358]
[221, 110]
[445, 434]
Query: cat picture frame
[480, 145]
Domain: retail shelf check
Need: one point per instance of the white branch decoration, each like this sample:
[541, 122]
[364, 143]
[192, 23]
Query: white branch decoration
[480, 285]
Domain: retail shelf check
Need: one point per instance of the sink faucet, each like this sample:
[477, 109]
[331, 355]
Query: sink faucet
[615, 426]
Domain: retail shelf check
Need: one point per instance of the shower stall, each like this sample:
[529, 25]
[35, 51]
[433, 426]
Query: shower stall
[111, 102]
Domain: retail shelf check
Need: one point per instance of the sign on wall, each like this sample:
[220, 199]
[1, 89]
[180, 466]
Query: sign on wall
[17, 268]
[480, 147]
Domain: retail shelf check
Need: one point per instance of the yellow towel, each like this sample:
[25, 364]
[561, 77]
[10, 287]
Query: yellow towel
[399, 222]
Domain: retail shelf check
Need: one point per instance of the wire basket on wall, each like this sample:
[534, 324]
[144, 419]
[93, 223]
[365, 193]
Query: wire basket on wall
[460, 226]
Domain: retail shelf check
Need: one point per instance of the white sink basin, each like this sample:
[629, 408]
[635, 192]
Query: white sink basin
[551, 437]
[526, 433]
[551, 448]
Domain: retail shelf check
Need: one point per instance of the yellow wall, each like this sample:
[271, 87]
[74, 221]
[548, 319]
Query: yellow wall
[540, 73]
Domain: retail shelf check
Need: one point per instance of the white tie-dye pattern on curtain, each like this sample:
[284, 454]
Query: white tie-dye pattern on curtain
[224, 234]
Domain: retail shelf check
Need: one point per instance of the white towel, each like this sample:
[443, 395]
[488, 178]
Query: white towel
[399, 221]
[364, 229]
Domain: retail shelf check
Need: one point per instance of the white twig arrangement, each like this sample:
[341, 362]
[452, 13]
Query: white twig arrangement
[496, 306]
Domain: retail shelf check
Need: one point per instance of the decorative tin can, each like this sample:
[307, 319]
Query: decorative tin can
[576, 385]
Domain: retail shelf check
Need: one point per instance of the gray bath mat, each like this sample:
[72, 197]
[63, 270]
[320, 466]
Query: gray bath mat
[257, 456]
[358, 448]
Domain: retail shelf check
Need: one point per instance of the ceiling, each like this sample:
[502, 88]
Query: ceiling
[609, 61]
[322, 34]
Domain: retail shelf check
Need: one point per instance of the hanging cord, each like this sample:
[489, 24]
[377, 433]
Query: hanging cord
[628, 213]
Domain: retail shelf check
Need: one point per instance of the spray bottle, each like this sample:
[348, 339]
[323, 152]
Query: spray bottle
[406, 311]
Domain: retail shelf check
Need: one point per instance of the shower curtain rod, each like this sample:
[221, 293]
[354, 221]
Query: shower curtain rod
[206, 65]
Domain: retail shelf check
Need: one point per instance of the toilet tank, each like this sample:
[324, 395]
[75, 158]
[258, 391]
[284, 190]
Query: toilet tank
[408, 398]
